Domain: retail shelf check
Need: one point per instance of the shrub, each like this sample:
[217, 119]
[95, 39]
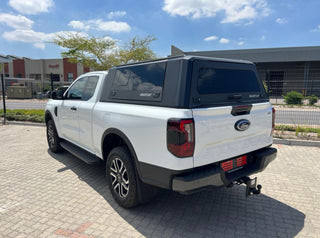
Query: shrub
[293, 97]
[33, 115]
[313, 99]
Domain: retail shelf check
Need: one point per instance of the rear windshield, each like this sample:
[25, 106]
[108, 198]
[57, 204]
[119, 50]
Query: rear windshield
[225, 83]
[215, 80]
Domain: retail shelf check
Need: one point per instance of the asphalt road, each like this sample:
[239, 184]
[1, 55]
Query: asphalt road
[298, 117]
[288, 116]
[24, 104]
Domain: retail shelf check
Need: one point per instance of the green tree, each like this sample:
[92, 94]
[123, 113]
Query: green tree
[102, 53]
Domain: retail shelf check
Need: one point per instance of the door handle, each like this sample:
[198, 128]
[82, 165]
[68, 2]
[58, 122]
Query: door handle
[73, 108]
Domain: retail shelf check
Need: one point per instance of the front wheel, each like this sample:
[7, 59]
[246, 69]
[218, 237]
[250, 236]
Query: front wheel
[52, 137]
[122, 177]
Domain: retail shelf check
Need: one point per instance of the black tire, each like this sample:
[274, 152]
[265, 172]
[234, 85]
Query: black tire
[122, 178]
[52, 137]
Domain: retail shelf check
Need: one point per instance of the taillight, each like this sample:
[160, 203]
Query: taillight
[180, 137]
[273, 120]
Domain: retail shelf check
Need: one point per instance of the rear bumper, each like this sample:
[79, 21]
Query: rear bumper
[213, 176]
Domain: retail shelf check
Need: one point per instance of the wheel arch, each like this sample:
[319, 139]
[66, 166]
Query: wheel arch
[48, 116]
[112, 138]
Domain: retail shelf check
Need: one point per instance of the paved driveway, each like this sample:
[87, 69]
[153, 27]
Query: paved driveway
[46, 195]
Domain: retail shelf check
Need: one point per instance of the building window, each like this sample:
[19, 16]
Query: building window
[19, 75]
[274, 81]
[6, 75]
[55, 77]
[35, 76]
[70, 77]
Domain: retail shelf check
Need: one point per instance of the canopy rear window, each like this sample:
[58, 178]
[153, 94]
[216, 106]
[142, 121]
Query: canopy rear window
[215, 80]
[225, 83]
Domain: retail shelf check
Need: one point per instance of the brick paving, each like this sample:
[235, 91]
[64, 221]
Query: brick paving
[47, 195]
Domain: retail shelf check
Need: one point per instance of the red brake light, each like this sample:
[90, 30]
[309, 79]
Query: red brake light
[180, 137]
[273, 120]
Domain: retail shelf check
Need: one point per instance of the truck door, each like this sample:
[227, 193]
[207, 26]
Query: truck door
[69, 120]
[85, 112]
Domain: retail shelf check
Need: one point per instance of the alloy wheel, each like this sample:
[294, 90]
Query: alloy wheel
[119, 177]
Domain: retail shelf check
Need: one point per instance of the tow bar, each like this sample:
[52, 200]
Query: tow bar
[252, 187]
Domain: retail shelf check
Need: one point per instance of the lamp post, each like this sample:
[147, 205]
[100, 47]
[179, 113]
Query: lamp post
[51, 77]
[4, 100]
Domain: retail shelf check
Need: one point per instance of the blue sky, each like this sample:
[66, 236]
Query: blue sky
[26, 26]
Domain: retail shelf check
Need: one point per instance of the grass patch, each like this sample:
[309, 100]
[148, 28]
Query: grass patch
[33, 115]
[297, 129]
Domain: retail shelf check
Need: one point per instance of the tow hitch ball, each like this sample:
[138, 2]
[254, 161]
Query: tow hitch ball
[252, 187]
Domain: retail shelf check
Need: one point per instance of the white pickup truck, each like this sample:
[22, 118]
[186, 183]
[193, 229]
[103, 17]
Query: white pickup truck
[183, 123]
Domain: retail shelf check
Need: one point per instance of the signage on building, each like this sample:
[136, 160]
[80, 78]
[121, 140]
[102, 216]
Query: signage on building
[54, 66]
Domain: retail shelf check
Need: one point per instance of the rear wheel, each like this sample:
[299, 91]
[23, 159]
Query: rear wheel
[122, 178]
[52, 137]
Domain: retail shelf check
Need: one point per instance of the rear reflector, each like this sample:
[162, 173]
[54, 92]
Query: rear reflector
[234, 163]
[228, 165]
[241, 161]
[273, 120]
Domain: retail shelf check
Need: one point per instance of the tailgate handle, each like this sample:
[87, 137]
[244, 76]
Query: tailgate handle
[241, 110]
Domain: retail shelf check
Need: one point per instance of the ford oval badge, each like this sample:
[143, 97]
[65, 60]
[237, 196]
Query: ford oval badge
[242, 125]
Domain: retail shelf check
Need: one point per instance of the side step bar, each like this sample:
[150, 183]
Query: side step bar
[85, 156]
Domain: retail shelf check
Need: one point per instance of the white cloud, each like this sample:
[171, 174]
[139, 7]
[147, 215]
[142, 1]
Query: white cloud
[38, 39]
[224, 41]
[263, 38]
[241, 43]
[16, 22]
[234, 10]
[100, 25]
[316, 29]
[112, 15]
[112, 26]
[31, 7]
[79, 25]
[39, 45]
[210, 38]
[281, 21]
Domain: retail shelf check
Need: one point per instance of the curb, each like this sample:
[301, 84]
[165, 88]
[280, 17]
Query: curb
[296, 142]
[24, 123]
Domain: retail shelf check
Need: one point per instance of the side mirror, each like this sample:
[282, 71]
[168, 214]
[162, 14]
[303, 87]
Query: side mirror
[57, 95]
[54, 95]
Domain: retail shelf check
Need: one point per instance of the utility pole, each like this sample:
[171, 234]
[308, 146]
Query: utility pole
[51, 77]
[4, 101]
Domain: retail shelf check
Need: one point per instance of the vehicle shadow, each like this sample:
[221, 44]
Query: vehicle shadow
[212, 213]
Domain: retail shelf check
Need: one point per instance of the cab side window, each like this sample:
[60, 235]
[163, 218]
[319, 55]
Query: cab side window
[83, 89]
[90, 87]
[75, 91]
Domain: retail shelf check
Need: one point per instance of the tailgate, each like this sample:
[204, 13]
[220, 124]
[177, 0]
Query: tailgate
[216, 136]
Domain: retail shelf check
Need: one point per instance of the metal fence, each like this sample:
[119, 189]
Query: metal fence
[304, 115]
[35, 86]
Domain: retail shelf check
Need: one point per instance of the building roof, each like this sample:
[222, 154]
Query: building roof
[286, 54]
